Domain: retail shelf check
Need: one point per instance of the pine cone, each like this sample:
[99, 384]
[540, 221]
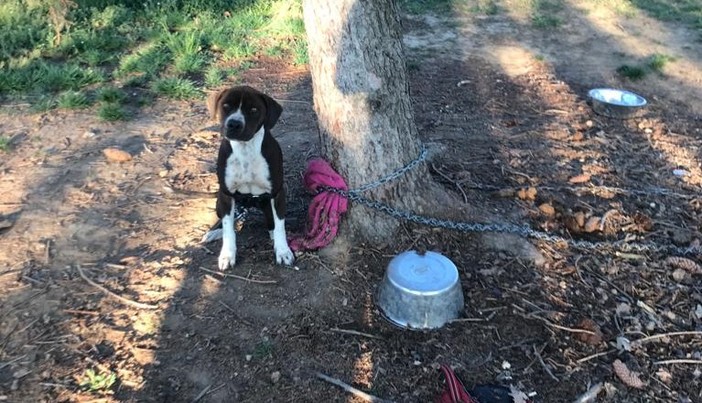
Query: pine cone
[628, 377]
[684, 263]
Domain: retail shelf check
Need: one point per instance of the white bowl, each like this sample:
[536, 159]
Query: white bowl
[420, 291]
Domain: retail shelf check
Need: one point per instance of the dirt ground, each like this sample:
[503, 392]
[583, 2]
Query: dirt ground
[504, 103]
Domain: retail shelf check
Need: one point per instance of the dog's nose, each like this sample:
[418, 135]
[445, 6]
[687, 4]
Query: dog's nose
[234, 124]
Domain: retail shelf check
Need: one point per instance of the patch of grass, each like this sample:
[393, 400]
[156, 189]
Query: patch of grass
[488, 7]
[110, 95]
[214, 77]
[263, 349]
[4, 144]
[545, 21]
[73, 100]
[97, 382]
[687, 11]
[149, 60]
[111, 111]
[631, 72]
[424, 6]
[43, 104]
[658, 61]
[176, 88]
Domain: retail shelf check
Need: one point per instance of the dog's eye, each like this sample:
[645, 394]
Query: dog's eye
[254, 110]
[225, 106]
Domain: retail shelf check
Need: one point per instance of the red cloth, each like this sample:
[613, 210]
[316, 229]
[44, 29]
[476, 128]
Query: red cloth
[325, 209]
[454, 392]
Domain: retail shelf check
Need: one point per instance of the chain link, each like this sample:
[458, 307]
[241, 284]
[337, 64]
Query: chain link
[592, 188]
[523, 230]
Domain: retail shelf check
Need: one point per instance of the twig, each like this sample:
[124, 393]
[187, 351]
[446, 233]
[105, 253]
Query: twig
[81, 312]
[350, 389]
[662, 335]
[567, 329]
[589, 357]
[12, 361]
[239, 277]
[355, 333]
[590, 394]
[120, 298]
[664, 362]
[458, 185]
[202, 394]
[543, 364]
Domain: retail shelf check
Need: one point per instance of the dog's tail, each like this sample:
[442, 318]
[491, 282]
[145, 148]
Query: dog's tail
[214, 233]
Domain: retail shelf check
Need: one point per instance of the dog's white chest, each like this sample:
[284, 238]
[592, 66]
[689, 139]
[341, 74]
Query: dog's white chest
[247, 172]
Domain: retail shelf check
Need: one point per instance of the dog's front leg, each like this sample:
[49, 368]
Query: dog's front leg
[283, 254]
[227, 257]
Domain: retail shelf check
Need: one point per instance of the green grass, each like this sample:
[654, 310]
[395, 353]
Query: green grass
[4, 144]
[658, 61]
[110, 95]
[176, 88]
[111, 111]
[97, 382]
[632, 72]
[73, 100]
[172, 48]
[686, 11]
[263, 349]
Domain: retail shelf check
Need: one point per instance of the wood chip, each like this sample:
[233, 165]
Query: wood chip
[592, 224]
[547, 209]
[116, 155]
[627, 377]
[582, 178]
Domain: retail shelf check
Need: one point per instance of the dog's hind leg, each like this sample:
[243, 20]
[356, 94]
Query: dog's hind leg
[275, 218]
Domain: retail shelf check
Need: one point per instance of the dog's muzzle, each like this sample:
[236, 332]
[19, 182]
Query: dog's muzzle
[233, 129]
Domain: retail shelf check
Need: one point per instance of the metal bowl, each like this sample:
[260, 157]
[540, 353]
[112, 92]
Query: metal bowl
[618, 104]
[420, 291]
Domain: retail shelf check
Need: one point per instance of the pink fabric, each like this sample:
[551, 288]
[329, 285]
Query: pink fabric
[325, 209]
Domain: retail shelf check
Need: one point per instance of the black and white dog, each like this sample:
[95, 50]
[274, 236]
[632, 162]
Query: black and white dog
[249, 168]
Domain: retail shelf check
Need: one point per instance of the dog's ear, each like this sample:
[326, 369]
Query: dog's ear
[273, 111]
[213, 103]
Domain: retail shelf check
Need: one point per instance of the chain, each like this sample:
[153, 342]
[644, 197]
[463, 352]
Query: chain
[523, 230]
[420, 158]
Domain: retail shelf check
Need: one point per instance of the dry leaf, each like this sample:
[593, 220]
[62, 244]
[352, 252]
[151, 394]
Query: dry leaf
[592, 224]
[582, 178]
[527, 193]
[664, 375]
[627, 377]
[116, 155]
[591, 339]
[684, 263]
[547, 209]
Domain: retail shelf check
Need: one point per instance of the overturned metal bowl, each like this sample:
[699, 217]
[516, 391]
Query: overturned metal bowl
[618, 104]
[420, 291]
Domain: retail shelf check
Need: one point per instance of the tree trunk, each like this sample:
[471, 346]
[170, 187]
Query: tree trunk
[361, 98]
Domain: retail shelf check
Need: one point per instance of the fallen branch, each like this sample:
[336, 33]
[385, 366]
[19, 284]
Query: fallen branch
[350, 389]
[683, 361]
[355, 333]
[120, 298]
[238, 277]
[662, 335]
[589, 357]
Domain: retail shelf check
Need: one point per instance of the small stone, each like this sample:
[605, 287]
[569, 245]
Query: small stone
[116, 155]
[579, 218]
[275, 377]
[248, 357]
[698, 312]
[162, 173]
[589, 123]
[679, 275]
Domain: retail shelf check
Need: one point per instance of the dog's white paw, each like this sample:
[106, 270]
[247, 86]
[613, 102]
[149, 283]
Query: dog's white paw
[284, 256]
[227, 259]
[212, 236]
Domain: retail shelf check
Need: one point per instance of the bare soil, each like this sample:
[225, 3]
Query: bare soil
[516, 137]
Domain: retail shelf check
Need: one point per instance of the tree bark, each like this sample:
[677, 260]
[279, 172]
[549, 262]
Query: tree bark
[361, 98]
